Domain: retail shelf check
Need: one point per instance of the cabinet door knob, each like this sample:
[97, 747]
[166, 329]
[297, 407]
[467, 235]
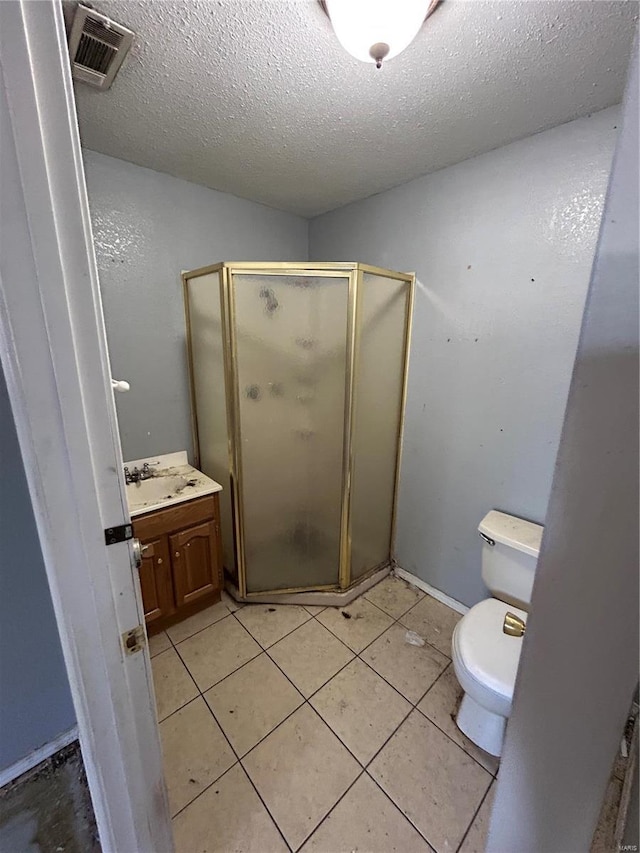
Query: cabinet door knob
[159, 560]
[177, 553]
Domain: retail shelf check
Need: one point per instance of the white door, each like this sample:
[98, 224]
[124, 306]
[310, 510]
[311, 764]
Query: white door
[54, 355]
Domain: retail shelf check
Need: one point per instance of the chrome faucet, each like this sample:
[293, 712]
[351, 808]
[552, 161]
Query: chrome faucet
[136, 476]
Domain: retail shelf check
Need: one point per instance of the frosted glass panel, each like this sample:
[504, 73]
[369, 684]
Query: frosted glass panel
[381, 320]
[208, 382]
[291, 335]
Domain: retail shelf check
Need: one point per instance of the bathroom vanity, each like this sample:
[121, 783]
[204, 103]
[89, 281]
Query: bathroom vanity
[175, 511]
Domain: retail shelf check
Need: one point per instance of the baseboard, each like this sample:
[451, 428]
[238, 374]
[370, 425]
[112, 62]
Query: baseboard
[38, 755]
[414, 580]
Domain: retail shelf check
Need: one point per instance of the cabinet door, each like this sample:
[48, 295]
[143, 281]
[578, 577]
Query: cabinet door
[155, 579]
[195, 562]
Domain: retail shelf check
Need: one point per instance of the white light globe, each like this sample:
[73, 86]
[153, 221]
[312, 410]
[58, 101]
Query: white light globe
[373, 30]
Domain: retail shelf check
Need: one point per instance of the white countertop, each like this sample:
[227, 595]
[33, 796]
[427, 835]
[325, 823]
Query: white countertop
[174, 481]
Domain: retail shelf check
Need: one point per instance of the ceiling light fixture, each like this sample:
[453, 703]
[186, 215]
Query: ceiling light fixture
[375, 30]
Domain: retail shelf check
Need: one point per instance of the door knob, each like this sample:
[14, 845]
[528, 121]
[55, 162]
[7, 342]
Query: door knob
[137, 549]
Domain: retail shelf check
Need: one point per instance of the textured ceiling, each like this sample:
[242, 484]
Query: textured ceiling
[257, 98]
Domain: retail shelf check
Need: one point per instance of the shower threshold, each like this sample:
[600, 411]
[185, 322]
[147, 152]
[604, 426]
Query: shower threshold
[322, 598]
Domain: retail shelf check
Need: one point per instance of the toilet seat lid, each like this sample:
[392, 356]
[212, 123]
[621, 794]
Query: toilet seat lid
[488, 655]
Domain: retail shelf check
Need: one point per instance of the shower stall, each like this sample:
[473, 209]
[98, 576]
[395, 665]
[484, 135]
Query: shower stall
[298, 379]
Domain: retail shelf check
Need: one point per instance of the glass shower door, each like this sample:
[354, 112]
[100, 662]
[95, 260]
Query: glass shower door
[289, 336]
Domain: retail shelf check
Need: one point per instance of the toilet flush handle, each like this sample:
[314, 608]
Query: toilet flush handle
[513, 625]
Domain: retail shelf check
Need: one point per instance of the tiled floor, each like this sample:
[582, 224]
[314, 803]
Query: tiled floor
[287, 728]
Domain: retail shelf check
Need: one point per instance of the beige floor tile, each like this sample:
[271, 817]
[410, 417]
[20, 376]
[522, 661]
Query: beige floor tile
[195, 753]
[231, 603]
[314, 609]
[431, 780]
[310, 656]
[301, 770]
[476, 839]
[197, 622]
[218, 651]
[361, 709]
[411, 669]
[365, 820]
[357, 624]
[172, 683]
[434, 621]
[251, 702]
[268, 623]
[227, 818]
[441, 704]
[158, 643]
[394, 596]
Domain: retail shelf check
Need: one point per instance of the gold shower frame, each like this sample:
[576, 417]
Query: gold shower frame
[354, 273]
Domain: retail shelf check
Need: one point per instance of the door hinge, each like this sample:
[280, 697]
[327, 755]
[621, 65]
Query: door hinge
[134, 640]
[121, 533]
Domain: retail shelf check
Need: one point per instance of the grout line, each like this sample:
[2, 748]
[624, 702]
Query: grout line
[468, 754]
[378, 751]
[405, 816]
[271, 731]
[234, 751]
[348, 646]
[414, 704]
[466, 751]
[390, 615]
[324, 683]
[394, 622]
[389, 684]
[259, 795]
[200, 630]
[204, 790]
[264, 648]
[224, 678]
[315, 829]
[306, 700]
[475, 815]
[173, 713]
[251, 782]
[357, 655]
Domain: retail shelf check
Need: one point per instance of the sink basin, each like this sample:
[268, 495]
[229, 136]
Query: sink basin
[174, 481]
[156, 489]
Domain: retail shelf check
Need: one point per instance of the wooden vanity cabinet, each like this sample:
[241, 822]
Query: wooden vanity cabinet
[156, 580]
[181, 570]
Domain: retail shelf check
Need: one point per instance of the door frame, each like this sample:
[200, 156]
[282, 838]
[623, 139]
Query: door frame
[54, 355]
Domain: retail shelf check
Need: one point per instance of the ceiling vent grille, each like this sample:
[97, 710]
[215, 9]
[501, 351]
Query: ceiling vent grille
[97, 47]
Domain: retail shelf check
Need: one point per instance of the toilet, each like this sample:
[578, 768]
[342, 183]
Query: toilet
[485, 658]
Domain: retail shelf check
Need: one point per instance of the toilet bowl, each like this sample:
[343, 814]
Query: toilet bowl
[485, 659]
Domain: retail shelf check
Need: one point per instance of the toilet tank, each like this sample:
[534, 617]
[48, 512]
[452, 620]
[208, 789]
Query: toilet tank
[510, 548]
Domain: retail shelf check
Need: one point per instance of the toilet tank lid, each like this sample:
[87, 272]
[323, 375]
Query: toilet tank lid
[515, 532]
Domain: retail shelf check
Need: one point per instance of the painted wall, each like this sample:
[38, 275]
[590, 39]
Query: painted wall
[35, 701]
[502, 246]
[148, 227]
[579, 666]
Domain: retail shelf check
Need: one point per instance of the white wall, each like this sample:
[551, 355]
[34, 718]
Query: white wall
[502, 245]
[148, 227]
[579, 666]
